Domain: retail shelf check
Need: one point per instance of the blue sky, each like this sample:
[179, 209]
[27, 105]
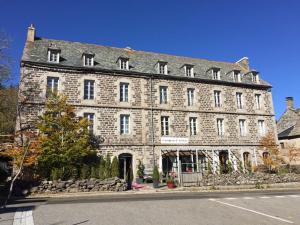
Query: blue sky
[266, 31]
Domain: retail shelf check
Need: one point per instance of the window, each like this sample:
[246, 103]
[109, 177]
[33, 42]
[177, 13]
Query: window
[88, 60]
[220, 127]
[217, 97]
[282, 145]
[189, 71]
[193, 126]
[242, 124]
[53, 56]
[216, 74]
[266, 155]
[124, 124]
[90, 118]
[162, 68]
[261, 127]
[239, 100]
[255, 78]
[52, 85]
[236, 76]
[88, 89]
[164, 125]
[124, 92]
[257, 101]
[123, 64]
[163, 93]
[190, 95]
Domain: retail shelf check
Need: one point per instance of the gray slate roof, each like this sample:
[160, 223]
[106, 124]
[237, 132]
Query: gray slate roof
[294, 127]
[139, 61]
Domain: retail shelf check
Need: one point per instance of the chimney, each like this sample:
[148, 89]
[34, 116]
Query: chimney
[289, 102]
[31, 33]
[244, 62]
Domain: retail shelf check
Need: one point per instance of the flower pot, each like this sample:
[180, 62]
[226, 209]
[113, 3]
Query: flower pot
[139, 180]
[170, 185]
[155, 183]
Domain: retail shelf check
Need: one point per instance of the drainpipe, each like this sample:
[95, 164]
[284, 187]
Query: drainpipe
[152, 120]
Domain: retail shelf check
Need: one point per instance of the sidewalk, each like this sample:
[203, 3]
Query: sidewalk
[148, 189]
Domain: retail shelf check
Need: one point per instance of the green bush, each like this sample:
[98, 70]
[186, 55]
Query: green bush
[102, 169]
[107, 167]
[115, 167]
[155, 175]
[209, 169]
[140, 170]
[85, 172]
[230, 167]
[56, 174]
[95, 172]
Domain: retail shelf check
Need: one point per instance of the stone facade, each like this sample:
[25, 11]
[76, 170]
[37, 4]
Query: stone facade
[144, 141]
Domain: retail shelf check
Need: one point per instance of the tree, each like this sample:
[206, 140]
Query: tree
[273, 158]
[115, 167]
[140, 170]
[293, 153]
[64, 137]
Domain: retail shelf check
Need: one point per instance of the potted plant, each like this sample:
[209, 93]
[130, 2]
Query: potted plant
[140, 173]
[171, 182]
[155, 177]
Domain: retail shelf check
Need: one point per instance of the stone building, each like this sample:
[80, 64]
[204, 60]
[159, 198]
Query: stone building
[153, 107]
[288, 127]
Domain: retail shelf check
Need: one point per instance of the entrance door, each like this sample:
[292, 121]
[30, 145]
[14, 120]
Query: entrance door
[223, 157]
[125, 164]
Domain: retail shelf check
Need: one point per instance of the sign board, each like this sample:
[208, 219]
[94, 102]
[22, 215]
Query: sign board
[174, 140]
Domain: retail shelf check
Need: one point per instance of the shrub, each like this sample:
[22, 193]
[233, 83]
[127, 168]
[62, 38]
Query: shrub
[209, 169]
[85, 172]
[155, 174]
[56, 174]
[230, 167]
[140, 170]
[94, 172]
[102, 169]
[115, 167]
[107, 167]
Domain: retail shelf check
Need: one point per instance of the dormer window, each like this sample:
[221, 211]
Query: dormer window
[162, 68]
[189, 70]
[124, 63]
[53, 55]
[255, 78]
[237, 76]
[216, 74]
[88, 60]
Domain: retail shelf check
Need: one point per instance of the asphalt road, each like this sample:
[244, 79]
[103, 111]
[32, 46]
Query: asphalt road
[241, 208]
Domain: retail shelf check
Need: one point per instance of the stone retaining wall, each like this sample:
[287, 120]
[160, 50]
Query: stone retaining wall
[246, 179]
[71, 186]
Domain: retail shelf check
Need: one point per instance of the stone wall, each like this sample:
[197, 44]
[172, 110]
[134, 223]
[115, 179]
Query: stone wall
[71, 186]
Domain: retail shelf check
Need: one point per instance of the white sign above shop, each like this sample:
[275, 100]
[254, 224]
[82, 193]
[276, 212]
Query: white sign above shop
[174, 140]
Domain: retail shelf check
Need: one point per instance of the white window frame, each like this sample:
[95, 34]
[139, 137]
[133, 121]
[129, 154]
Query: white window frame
[258, 101]
[165, 125]
[88, 60]
[220, 127]
[163, 94]
[255, 78]
[261, 127]
[124, 92]
[191, 96]
[193, 126]
[124, 124]
[90, 87]
[216, 74]
[217, 99]
[53, 55]
[237, 76]
[90, 117]
[242, 126]
[124, 63]
[189, 70]
[162, 68]
[52, 88]
[239, 100]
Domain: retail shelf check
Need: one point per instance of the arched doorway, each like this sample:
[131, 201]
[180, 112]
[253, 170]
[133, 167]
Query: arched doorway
[247, 161]
[125, 165]
[223, 159]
